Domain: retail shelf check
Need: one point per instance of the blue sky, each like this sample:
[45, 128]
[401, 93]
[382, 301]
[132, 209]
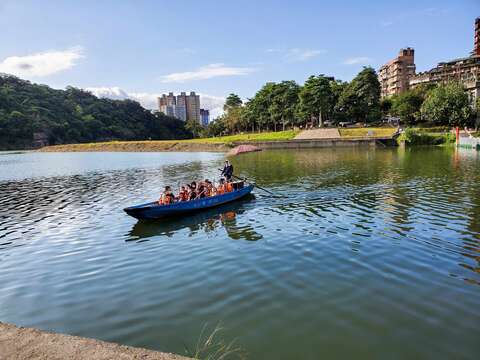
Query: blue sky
[140, 48]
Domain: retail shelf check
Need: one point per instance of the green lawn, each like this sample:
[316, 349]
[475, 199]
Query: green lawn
[364, 132]
[266, 136]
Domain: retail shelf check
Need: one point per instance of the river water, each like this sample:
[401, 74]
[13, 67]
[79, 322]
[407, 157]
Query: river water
[364, 253]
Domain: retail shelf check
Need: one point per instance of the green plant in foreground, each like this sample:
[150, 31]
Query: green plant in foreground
[214, 347]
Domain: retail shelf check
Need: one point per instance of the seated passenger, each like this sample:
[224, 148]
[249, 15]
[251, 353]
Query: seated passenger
[202, 191]
[183, 194]
[193, 191]
[167, 197]
[221, 187]
[228, 187]
[210, 188]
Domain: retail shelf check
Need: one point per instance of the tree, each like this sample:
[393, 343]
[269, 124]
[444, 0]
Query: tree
[407, 106]
[386, 105]
[284, 102]
[316, 98]
[447, 105]
[360, 100]
[232, 100]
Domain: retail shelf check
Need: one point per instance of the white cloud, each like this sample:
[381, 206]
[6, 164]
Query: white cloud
[357, 60]
[207, 72]
[41, 64]
[302, 54]
[149, 100]
[296, 54]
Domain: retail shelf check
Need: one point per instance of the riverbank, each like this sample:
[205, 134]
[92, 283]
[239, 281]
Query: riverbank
[281, 139]
[28, 343]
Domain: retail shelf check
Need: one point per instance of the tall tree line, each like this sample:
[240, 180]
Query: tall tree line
[286, 104]
[277, 106]
[74, 116]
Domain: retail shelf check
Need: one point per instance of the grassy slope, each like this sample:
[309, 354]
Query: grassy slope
[267, 136]
[160, 145]
[363, 132]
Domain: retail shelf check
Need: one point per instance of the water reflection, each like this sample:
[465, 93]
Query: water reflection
[206, 221]
[358, 240]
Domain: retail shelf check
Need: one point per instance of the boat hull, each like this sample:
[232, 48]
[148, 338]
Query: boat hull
[154, 211]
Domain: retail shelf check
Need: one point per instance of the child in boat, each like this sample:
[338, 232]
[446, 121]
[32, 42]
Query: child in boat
[210, 188]
[221, 187]
[228, 186]
[167, 197]
[183, 194]
[192, 191]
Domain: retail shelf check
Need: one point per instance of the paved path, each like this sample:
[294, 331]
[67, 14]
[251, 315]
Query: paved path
[25, 343]
[324, 133]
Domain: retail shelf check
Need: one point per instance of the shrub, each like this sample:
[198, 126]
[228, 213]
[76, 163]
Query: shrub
[414, 137]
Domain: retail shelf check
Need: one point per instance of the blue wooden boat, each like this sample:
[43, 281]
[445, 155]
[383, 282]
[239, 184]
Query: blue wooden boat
[153, 210]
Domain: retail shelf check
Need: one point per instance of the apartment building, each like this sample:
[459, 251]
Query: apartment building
[464, 70]
[205, 117]
[184, 107]
[394, 76]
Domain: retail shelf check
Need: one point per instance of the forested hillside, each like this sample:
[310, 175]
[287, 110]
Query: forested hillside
[32, 115]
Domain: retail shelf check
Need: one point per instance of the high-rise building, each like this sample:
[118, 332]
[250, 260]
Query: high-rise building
[167, 104]
[181, 109]
[394, 76]
[184, 107]
[193, 107]
[205, 117]
[476, 48]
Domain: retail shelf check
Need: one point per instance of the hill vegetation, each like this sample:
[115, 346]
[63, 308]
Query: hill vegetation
[33, 115]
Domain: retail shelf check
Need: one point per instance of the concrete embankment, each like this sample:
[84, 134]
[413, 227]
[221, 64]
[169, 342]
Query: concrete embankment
[323, 143]
[27, 343]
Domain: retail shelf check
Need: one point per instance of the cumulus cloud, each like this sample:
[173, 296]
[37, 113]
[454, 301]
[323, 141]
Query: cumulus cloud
[149, 100]
[42, 64]
[357, 60]
[207, 72]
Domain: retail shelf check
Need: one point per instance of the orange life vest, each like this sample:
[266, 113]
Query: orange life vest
[220, 189]
[229, 187]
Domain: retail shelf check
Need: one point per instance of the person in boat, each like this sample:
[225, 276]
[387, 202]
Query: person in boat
[183, 194]
[210, 188]
[221, 187]
[228, 186]
[202, 190]
[192, 191]
[167, 197]
[227, 170]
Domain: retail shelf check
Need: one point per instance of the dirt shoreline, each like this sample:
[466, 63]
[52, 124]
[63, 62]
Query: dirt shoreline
[138, 146]
[191, 146]
[27, 343]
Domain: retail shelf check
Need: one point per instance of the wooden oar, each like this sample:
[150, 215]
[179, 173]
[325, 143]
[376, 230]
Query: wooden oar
[239, 178]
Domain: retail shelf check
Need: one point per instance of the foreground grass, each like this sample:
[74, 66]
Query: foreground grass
[212, 346]
[366, 132]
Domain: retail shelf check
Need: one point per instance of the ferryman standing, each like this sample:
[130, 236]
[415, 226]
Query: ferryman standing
[227, 170]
